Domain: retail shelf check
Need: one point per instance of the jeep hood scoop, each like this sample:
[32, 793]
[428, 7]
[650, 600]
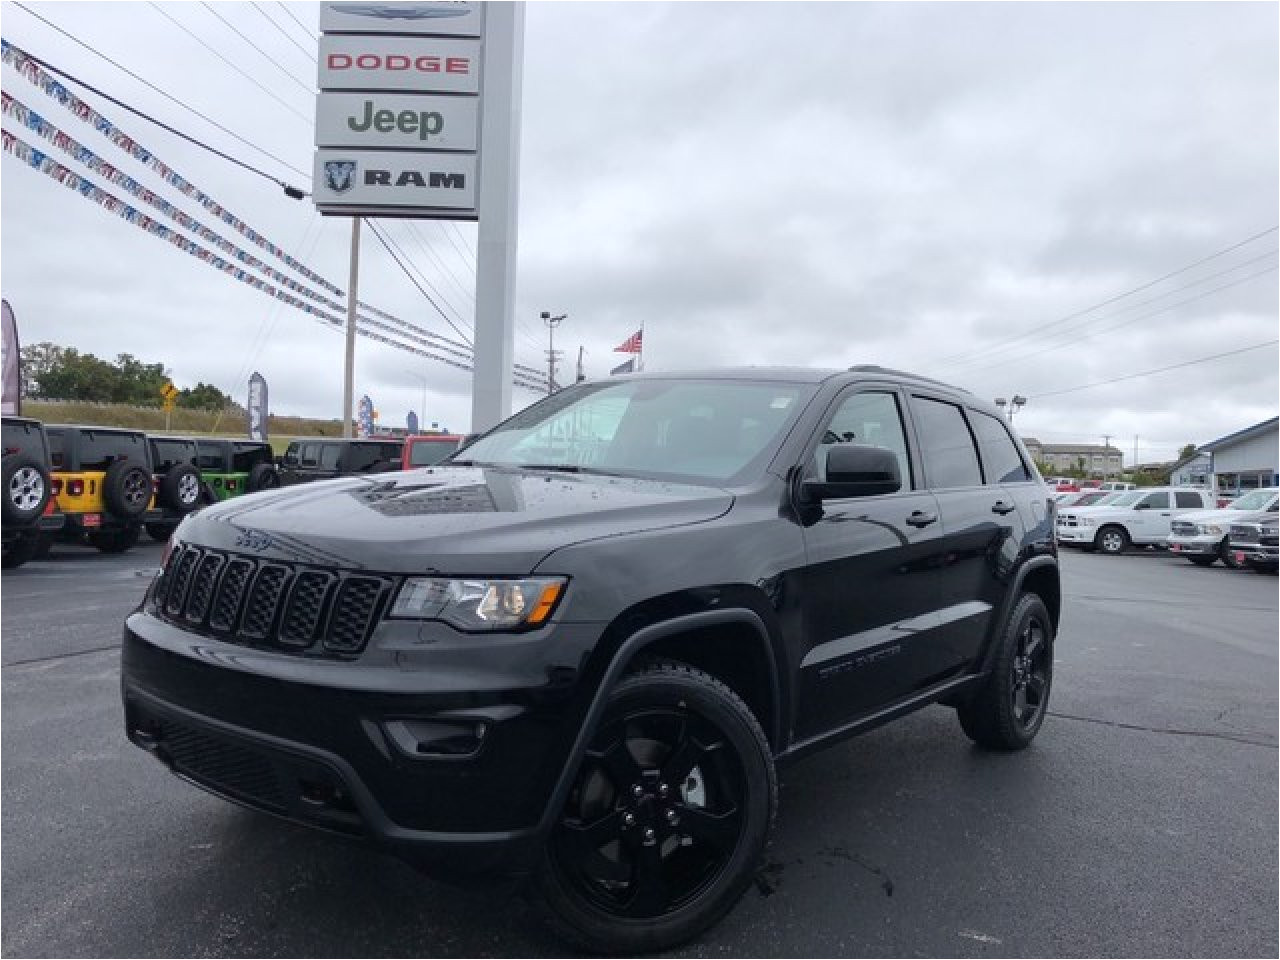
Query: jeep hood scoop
[450, 520]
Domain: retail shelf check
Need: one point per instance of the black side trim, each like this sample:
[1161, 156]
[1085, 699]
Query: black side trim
[624, 655]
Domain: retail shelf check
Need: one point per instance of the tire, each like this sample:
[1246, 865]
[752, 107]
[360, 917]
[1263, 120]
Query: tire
[1001, 715]
[180, 488]
[1203, 561]
[670, 734]
[115, 541]
[160, 532]
[19, 550]
[1260, 566]
[264, 476]
[1112, 539]
[26, 488]
[127, 489]
[1227, 555]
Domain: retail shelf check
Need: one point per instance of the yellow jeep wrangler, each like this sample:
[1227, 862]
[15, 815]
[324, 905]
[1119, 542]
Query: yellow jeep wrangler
[103, 483]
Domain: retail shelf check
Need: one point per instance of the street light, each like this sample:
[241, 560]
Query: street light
[552, 323]
[1016, 404]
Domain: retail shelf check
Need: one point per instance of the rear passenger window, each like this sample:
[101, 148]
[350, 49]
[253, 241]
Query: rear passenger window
[1000, 459]
[330, 453]
[310, 454]
[1155, 501]
[866, 418]
[950, 458]
[1187, 499]
[57, 450]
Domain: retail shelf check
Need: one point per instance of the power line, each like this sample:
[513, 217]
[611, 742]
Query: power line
[306, 88]
[1147, 373]
[234, 66]
[1110, 300]
[381, 239]
[301, 26]
[271, 20]
[289, 189]
[1124, 323]
[163, 93]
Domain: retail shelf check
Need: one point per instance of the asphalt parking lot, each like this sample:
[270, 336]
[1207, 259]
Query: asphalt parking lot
[1143, 821]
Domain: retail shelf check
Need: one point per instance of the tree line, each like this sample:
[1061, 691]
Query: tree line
[53, 372]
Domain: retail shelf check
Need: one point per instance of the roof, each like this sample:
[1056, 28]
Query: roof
[775, 374]
[1185, 460]
[1241, 435]
[1076, 448]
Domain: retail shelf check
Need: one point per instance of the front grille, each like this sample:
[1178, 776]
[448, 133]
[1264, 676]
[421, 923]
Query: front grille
[1244, 531]
[266, 603]
[1181, 528]
[222, 764]
[1268, 538]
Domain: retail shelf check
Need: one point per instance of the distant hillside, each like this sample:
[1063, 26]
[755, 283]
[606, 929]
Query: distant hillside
[151, 419]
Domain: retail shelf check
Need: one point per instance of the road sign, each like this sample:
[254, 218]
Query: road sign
[169, 392]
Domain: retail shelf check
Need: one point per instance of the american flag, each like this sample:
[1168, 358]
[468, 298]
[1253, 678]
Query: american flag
[633, 343]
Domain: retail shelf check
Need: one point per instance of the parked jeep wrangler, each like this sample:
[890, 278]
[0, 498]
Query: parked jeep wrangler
[102, 479]
[31, 516]
[320, 459]
[578, 653]
[232, 468]
[178, 484]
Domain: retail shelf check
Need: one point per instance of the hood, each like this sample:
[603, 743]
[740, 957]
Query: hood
[1225, 516]
[447, 520]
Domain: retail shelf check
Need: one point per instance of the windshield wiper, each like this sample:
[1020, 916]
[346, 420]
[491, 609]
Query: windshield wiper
[558, 467]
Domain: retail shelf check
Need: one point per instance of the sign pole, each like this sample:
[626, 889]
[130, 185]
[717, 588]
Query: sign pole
[349, 367]
[502, 73]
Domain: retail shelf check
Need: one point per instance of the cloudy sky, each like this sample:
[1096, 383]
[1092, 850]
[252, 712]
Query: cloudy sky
[991, 194]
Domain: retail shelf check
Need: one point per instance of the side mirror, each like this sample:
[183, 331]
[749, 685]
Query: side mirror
[855, 470]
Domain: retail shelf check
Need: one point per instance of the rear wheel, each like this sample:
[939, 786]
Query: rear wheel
[26, 488]
[1112, 539]
[668, 817]
[1006, 713]
[19, 550]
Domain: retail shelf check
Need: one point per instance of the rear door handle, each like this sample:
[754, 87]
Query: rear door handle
[919, 518]
[1001, 507]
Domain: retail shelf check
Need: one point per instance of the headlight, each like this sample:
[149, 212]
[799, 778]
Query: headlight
[1209, 528]
[479, 604]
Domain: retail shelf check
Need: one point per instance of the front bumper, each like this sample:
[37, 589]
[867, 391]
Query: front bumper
[1260, 553]
[1075, 535]
[1203, 545]
[352, 749]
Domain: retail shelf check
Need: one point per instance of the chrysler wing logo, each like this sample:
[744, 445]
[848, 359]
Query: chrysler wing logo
[339, 175]
[399, 11]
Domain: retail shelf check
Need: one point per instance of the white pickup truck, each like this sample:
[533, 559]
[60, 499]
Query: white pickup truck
[1202, 537]
[1142, 517]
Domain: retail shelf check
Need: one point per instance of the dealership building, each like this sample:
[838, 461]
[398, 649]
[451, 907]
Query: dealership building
[1246, 459]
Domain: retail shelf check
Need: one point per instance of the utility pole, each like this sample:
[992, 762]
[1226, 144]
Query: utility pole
[349, 366]
[1135, 454]
[581, 375]
[552, 353]
[1106, 460]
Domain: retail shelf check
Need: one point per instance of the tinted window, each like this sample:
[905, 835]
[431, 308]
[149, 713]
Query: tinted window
[330, 454]
[425, 453]
[246, 456]
[291, 454]
[866, 418]
[57, 449]
[98, 449]
[209, 456]
[165, 453]
[21, 437]
[950, 459]
[1155, 501]
[310, 454]
[362, 456]
[1187, 500]
[1000, 458]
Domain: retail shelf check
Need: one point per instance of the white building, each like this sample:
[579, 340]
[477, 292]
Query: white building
[1246, 459]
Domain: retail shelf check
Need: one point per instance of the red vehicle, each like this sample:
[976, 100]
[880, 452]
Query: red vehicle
[428, 449]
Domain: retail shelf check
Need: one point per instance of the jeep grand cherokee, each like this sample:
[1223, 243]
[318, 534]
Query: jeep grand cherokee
[578, 652]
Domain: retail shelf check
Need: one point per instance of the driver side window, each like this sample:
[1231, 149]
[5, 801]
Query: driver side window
[871, 419]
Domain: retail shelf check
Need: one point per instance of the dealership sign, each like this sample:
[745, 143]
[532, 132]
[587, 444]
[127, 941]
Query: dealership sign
[397, 117]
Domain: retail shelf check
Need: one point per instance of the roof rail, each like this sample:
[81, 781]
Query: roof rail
[876, 368]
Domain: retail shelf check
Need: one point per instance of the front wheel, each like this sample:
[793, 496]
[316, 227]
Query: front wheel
[1006, 713]
[1113, 540]
[668, 818]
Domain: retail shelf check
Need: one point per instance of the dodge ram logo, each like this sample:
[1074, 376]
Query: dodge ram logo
[339, 175]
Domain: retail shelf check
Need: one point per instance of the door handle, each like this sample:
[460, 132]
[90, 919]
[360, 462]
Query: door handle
[919, 518]
[1001, 507]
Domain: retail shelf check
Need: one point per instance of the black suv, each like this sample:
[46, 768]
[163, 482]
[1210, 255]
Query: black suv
[577, 652]
[30, 519]
[307, 460]
[177, 482]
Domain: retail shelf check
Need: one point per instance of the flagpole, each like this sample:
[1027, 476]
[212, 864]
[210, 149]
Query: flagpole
[640, 365]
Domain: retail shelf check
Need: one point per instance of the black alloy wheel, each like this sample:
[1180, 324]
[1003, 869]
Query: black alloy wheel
[667, 818]
[1008, 710]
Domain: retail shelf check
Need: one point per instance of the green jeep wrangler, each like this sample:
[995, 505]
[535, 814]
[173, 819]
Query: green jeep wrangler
[231, 468]
[179, 489]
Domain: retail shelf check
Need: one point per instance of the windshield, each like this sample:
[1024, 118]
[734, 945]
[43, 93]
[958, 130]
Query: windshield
[710, 430]
[1255, 500]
